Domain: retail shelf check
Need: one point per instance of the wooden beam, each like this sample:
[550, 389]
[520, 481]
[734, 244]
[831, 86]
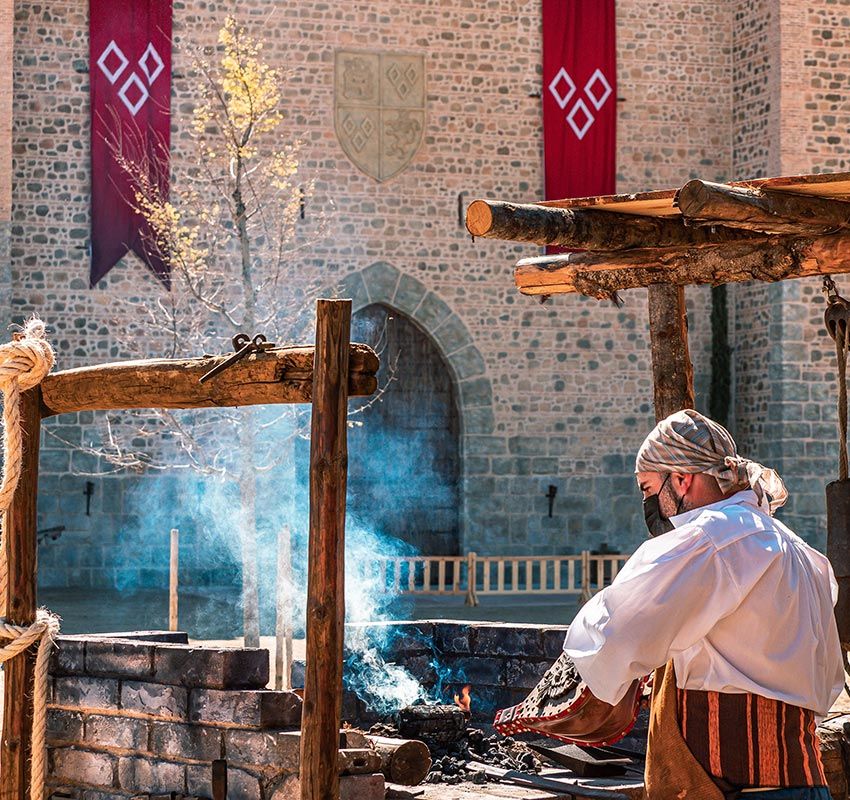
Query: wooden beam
[753, 209]
[322, 710]
[601, 274]
[282, 375]
[19, 541]
[672, 370]
[586, 228]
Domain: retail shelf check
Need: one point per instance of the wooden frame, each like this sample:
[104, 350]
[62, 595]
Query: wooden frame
[326, 376]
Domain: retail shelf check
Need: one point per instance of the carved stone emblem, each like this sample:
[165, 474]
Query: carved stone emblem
[379, 109]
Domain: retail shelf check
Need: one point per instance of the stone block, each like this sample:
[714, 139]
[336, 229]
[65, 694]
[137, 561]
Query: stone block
[137, 774]
[553, 641]
[508, 640]
[182, 665]
[250, 708]
[240, 784]
[63, 726]
[408, 294]
[297, 674]
[68, 657]
[396, 637]
[475, 392]
[523, 674]
[467, 362]
[176, 740]
[83, 766]
[83, 693]
[351, 787]
[452, 335]
[119, 658]
[124, 733]
[164, 637]
[431, 312]
[280, 749]
[352, 287]
[154, 699]
[479, 419]
[380, 280]
[452, 637]
[475, 670]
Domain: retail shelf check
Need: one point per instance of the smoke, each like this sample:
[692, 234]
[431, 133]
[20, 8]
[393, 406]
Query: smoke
[206, 509]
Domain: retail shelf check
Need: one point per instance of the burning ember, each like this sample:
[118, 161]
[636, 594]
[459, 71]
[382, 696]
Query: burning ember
[463, 700]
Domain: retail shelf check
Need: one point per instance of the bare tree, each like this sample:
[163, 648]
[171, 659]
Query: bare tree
[231, 231]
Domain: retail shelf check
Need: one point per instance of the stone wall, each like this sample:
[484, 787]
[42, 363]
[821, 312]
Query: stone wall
[790, 86]
[554, 394]
[7, 37]
[135, 714]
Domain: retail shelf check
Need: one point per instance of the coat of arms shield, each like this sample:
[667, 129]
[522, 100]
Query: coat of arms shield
[379, 109]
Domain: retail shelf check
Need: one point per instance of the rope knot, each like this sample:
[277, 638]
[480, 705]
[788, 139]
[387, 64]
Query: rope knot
[28, 358]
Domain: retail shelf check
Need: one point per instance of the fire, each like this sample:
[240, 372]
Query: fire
[463, 700]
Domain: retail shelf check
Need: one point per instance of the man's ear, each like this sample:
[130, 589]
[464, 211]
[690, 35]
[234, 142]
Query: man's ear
[683, 482]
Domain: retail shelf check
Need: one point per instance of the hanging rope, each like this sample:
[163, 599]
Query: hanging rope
[841, 346]
[24, 363]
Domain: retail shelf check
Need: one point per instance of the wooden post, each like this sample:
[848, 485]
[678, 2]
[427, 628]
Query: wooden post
[174, 563]
[283, 611]
[322, 709]
[19, 540]
[672, 371]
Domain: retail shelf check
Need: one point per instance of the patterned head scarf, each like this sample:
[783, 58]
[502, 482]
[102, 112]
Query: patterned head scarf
[689, 443]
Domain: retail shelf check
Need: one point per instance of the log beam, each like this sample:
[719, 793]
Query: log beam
[586, 228]
[672, 370]
[704, 203]
[602, 274]
[19, 541]
[322, 710]
[282, 375]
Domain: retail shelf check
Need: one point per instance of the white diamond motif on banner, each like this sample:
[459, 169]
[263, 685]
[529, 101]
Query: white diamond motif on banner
[588, 119]
[132, 107]
[598, 101]
[151, 53]
[562, 99]
[112, 49]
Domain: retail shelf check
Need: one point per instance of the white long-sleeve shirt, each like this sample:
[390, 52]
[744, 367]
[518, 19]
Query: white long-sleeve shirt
[738, 601]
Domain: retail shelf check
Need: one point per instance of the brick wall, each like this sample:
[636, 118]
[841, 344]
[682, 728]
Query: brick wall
[556, 394]
[148, 713]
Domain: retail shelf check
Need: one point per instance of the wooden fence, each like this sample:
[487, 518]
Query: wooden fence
[472, 575]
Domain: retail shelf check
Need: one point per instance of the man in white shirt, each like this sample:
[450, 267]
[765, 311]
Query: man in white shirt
[736, 603]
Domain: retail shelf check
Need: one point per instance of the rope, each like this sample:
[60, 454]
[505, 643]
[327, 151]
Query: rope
[842, 343]
[24, 363]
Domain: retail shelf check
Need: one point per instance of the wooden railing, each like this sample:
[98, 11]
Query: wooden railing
[581, 574]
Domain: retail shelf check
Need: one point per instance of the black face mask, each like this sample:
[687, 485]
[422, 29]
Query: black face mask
[656, 522]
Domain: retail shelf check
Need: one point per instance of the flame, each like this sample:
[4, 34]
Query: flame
[463, 700]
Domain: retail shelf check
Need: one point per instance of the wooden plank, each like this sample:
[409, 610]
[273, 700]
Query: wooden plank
[19, 541]
[672, 371]
[282, 375]
[661, 202]
[754, 209]
[322, 709]
[173, 576]
[600, 275]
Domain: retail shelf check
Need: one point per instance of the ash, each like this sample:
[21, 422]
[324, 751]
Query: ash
[455, 763]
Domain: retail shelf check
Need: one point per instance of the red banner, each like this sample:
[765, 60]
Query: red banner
[130, 76]
[579, 98]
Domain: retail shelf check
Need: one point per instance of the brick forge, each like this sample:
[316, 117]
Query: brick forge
[142, 714]
[145, 714]
[136, 714]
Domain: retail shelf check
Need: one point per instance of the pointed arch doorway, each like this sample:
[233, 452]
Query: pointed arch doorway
[404, 459]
